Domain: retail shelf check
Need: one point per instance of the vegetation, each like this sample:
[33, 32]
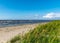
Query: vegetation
[15, 39]
[46, 33]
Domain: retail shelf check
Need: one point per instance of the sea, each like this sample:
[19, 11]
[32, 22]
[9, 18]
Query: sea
[4, 23]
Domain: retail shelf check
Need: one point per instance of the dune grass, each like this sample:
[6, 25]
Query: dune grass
[46, 33]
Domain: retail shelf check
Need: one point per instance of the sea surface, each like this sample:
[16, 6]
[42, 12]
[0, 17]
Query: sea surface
[4, 23]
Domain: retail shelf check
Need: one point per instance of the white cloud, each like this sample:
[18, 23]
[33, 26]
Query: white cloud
[52, 15]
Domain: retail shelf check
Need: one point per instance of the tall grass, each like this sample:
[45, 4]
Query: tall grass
[46, 33]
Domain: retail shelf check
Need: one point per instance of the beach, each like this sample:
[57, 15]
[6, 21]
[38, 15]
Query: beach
[6, 33]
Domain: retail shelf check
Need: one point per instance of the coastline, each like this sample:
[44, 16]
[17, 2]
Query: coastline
[6, 33]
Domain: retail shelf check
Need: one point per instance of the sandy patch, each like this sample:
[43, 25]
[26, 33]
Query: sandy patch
[7, 33]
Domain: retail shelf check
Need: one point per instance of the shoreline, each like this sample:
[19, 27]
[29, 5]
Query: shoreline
[10, 25]
[6, 33]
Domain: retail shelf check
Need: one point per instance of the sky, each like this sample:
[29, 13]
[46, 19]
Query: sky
[29, 9]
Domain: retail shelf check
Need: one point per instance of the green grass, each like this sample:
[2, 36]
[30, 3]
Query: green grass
[15, 39]
[46, 33]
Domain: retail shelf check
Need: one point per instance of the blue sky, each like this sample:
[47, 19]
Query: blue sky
[30, 9]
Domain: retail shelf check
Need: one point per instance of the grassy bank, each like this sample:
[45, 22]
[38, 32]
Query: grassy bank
[46, 33]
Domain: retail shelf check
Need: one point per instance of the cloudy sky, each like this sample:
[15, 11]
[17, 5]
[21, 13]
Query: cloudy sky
[30, 9]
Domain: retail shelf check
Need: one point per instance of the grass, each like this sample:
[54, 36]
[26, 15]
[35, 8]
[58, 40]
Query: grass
[15, 39]
[46, 33]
